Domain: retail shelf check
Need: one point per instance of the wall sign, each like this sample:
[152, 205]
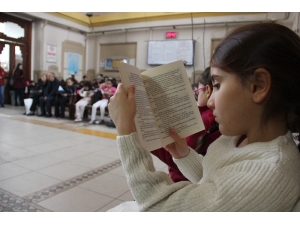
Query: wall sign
[171, 34]
[51, 53]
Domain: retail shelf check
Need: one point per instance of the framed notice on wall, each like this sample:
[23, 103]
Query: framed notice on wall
[166, 51]
[73, 63]
[51, 53]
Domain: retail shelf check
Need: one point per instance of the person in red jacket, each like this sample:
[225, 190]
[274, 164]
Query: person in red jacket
[201, 140]
[19, 84]
[2, 77]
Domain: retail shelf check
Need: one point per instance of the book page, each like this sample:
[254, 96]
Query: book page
[172, 101]
[144, 120]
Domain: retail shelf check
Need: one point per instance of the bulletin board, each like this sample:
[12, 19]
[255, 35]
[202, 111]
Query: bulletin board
[112, 64]
[166, 51]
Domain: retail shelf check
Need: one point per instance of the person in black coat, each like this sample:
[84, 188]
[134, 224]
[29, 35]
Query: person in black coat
[63, 97]
[37, 93]
[19, 84]
[49, 95]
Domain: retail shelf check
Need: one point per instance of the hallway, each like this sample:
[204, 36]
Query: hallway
[58, 165]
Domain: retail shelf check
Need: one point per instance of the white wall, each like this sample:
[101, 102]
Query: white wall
[43, 34]
[202, 51]
[91, 53]
[142, 38]
[56, 36]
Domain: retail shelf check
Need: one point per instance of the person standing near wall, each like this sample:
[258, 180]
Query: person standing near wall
[19, 84]
[2, 77]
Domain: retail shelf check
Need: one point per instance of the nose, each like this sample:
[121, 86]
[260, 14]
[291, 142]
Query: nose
[210, 102]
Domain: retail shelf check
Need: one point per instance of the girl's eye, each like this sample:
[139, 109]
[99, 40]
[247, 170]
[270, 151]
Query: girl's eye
[216, 86]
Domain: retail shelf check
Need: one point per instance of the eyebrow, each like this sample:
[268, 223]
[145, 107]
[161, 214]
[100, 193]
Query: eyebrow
[214, 76]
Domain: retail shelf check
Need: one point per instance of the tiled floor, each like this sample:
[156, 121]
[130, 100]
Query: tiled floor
[58, 165]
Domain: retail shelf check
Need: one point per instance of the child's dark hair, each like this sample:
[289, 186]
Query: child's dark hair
[113, 81]
[275, 48]
[205, 79]
[87, 84]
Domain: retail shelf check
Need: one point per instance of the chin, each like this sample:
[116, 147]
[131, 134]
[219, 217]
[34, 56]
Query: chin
[228, 132]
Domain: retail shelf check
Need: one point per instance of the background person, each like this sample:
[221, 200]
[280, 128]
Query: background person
[37, 93]
[2, 77]
[86, 93]
[63, 98]
[49, 95]
[19, 84]
[199, 141]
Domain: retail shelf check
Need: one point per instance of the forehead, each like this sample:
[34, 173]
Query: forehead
[216, 73]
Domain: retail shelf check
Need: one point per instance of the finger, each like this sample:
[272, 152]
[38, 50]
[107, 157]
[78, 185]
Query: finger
[120, 88]
[175, 136]
[131, 91]
[166, 147]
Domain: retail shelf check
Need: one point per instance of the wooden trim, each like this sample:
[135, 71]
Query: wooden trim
[24, 43]
[134, 17]
[29, 48]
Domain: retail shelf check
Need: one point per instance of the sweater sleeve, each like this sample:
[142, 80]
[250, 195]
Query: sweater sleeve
[235, 187]
[191, 166]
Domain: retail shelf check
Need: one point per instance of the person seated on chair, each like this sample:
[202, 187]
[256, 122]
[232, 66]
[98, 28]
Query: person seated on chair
[86, 93]
[49, 95]
[107, 91]
[63, 97]
[37, 93]
[84, 79]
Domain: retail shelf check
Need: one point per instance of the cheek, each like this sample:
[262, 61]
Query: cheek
[202, 100]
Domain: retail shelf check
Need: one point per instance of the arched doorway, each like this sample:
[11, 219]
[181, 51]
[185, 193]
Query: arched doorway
[15, 46]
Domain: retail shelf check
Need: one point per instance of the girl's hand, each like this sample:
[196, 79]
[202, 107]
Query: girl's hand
[179, 148]
[122, 110]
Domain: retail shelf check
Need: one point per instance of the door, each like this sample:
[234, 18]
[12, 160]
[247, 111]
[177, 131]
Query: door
[15, 43]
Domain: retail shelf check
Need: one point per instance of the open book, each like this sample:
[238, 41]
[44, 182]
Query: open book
[86, 94]
[164, 99]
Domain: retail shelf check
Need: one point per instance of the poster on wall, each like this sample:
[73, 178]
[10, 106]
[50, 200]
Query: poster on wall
[51, 53]
[73, 63]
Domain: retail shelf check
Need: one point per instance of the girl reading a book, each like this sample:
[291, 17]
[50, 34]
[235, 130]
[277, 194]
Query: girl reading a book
[107, 90]
[86, 93]
[201, 140]
[63, 97]
[255, 164]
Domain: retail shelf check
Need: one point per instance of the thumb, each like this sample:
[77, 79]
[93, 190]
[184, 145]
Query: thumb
[131, 91]
[120, 88]
[175, 136]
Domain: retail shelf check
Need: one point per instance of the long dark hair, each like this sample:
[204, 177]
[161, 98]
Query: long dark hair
[205, 79]
[17, 70]
[275, 48]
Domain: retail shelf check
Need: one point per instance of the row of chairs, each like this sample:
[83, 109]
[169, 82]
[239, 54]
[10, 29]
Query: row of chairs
[72, 108]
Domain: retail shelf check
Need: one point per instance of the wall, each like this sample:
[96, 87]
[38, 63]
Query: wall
[215, 28]
[44, 34]
[202, 52]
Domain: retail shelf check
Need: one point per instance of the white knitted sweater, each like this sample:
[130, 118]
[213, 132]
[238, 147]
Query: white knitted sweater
[263, 176]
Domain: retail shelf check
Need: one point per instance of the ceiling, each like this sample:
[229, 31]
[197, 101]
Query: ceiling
[99, 19]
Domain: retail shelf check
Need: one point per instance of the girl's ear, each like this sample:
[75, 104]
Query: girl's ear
[208, 91]
[260, 85]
